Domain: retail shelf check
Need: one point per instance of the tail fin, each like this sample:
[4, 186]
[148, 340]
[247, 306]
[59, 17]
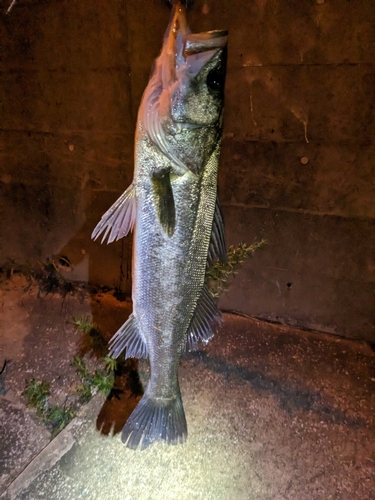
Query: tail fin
[154, 420]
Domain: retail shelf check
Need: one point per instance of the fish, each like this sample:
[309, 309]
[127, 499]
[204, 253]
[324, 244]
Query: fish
[173, 208]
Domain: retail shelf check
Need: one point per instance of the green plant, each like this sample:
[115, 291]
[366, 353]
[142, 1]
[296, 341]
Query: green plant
[81, 368]
[103, 381]
[92, 339]
[84, 392]
[109, 363]
[84, 324]
[55, 417]
[36, 394]
[98, 381]
[218, 274]
[58, 418]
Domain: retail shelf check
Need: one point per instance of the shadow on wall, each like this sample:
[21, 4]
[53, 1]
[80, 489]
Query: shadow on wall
[83, 259]
[90, 261]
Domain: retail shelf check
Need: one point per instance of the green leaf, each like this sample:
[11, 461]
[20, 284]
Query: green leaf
[36, 394]
[218, 274]
[84, 324]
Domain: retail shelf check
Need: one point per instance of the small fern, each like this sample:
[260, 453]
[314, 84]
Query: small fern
[84, 324]
[218, 274]
[58, 418]
[54, 417]
[36, 394]
[99, 381]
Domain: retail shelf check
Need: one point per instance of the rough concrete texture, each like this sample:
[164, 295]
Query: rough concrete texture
[298, 143]
[274, 413]
[39, 341]
[324, 298]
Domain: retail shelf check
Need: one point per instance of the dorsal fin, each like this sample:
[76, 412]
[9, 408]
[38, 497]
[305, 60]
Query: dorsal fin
[217, 250]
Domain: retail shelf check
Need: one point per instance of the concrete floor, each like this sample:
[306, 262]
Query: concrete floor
[273, 413]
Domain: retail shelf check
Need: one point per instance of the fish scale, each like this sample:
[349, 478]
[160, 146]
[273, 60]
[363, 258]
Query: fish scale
[173, 205]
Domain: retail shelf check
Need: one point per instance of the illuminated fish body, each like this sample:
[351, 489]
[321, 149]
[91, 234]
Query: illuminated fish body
[172, 203]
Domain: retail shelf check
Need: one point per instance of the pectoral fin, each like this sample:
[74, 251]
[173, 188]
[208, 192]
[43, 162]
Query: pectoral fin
[119, 219]
[164, 201]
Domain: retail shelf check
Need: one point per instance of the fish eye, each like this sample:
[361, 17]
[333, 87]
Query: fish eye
[215, 80]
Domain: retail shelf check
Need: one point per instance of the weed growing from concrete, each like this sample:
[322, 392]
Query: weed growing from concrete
[84, 324]
[218, 274]
[101, 380]
[56, 417]
[59, 417]
[92, 339]
[37, 396]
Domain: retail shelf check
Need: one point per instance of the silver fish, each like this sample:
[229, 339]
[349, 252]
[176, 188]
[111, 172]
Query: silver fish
[172, 203]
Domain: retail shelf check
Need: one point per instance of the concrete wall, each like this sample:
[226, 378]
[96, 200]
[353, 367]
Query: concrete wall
[297, 159]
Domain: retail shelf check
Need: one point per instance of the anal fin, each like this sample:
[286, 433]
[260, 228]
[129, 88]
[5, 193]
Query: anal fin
[129, 337]
[119, 219]
[205, 322]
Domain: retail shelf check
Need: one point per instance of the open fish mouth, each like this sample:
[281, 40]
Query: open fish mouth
[199, 48]
[207, 40]
[180, 43]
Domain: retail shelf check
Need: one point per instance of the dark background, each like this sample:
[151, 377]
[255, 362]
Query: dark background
[297, 165]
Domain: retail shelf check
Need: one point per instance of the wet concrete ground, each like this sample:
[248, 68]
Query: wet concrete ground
[273, 413]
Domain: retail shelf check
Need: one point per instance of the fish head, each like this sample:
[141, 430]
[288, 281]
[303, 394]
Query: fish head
[197, 95]
[185, 95]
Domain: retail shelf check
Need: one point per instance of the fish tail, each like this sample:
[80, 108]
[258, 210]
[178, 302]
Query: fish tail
[155, 420]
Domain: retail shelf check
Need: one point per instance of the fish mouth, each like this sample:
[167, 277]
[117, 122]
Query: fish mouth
[196, 43]
[199, 48]
[184, 42]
